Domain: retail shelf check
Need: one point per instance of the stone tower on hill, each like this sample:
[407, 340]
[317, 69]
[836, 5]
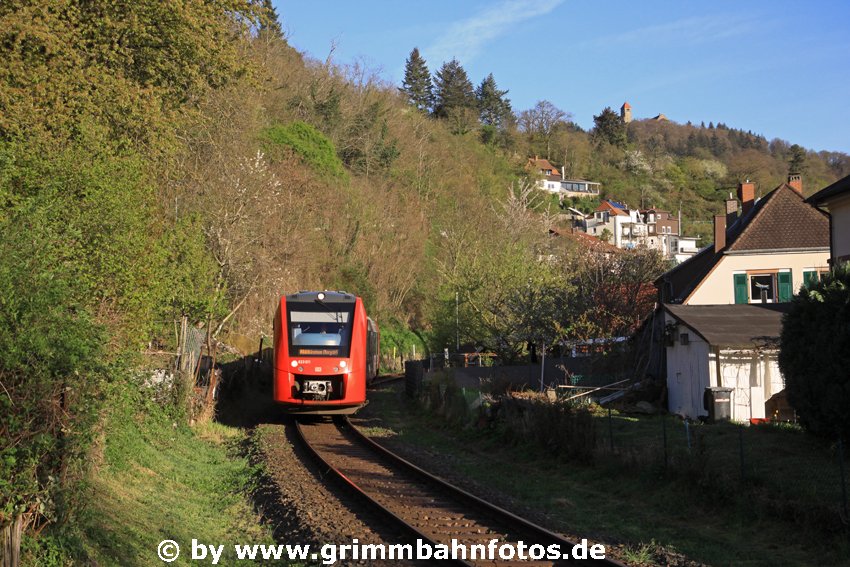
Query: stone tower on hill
[626, 112]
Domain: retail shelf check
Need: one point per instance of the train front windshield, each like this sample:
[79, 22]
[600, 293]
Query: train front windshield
[320, 329]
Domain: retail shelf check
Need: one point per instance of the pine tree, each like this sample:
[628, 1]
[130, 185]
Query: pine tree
[453, 92]
[607, 127]
[493, 107]
[269, 22]
[417, 82]
[797, 159]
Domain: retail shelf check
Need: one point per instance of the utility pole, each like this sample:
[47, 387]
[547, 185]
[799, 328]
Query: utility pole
[457, 322]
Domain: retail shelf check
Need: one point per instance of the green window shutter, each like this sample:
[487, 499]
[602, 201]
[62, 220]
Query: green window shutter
[810, 278]
[786, 289]
[741, 288]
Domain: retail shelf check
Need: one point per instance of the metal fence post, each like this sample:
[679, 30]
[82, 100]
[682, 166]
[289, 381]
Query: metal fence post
[843, 477]
[688, 435]
[741, 450]
[413, 374]
[610, 430]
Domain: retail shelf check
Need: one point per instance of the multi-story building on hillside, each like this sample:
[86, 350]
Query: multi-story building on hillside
[553, 180]
[652, 228]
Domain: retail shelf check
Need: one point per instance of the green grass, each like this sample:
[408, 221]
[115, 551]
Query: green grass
[159, 480]
[168, 482]
[630, 501]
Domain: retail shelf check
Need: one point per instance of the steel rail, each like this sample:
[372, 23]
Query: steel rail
[540, 534]
[389, 514]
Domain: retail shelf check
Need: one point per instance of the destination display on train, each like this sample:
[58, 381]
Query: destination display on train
[318, 351]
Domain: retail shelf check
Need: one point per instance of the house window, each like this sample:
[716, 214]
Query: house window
[811, 276]
[763, 287]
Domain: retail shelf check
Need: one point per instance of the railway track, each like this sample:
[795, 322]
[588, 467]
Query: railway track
[382, 381]
[423, 505]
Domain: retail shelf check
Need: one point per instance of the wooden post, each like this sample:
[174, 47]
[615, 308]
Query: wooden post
[10, 554]
[213, 381]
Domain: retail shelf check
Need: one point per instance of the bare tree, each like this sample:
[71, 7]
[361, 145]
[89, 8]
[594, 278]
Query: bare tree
[539, 122]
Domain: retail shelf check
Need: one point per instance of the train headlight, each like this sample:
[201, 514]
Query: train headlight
[321, 296]
[294, 363]
[343, 363]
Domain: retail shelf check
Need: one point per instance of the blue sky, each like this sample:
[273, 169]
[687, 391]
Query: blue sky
[778, 68]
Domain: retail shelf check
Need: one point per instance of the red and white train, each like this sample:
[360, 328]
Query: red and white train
[325, 352]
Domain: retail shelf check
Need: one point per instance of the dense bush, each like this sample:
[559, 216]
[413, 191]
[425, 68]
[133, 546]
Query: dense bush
[50, 350]
[815, 355]
[308, 144]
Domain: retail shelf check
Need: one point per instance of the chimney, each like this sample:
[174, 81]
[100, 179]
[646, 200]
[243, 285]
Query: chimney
[747, 196]
[563, 172]
[731, 210]
[719, 232]
[795, 181]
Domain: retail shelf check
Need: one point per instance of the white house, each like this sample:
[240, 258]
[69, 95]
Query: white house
[733, 346]
[722, 308]
[682, 247]
[556, 181]
[629, 228]
[766, 254]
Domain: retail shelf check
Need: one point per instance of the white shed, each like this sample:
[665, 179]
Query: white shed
[735, 346]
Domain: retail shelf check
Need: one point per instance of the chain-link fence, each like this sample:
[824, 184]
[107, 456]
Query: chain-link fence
[777, 467]
[774, 469]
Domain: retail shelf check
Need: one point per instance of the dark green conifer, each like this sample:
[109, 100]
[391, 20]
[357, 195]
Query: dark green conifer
[417, 82]
[493, 107]
[453, 91]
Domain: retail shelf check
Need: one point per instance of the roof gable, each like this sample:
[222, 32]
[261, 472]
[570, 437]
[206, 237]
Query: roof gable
[541, 165]
[779, 221]
[782, 221]
[613, 207]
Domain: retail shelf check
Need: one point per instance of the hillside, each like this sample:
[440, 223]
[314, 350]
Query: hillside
[673, 166]
[145, 176]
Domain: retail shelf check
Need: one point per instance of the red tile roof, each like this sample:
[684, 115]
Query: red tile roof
[613, 207]
[540, 164]
[782, 221]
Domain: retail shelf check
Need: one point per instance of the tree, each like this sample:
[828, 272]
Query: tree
[613, 289]
[608, 128]
[540, 122]
[269, 21]
[130, 67]
[417, 82]
[797, 159]
[493, 107]
[814, 354]
[452, 90]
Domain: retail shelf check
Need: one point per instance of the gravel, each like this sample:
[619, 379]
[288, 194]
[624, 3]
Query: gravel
[305, 507]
